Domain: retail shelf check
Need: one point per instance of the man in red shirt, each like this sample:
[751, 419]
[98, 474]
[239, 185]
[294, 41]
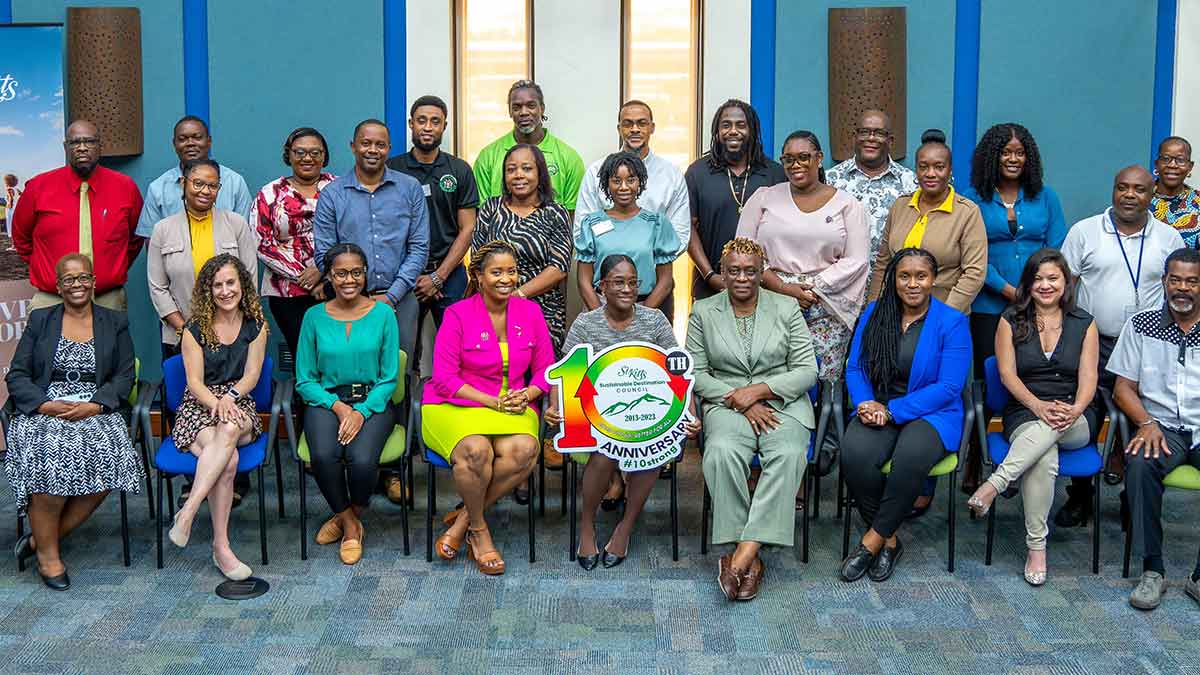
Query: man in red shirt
[47, 223]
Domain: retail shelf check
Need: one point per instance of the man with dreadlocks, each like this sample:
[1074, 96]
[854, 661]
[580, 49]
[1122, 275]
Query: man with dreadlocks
[719, 183]
[527, 108]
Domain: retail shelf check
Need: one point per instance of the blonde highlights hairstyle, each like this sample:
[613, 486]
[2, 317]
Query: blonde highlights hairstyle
[479, 256]
[745, 246]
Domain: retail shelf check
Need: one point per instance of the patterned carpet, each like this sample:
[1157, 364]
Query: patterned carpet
[397, 614]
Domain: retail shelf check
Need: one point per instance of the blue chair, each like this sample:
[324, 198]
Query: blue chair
[1085, 462]
[170, 462]
[823, 402]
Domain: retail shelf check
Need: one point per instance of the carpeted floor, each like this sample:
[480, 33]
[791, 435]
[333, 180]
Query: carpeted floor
[397, 614]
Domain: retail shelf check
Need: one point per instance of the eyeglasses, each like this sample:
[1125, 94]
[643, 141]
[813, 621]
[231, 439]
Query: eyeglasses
[77, 280]
[866, 134]
[83, 142]
[636, 124]
[201, 186]
[301, 153]
[801, 158]
[1173, 161]
[740, 272]
[357, 274]
[618, 284]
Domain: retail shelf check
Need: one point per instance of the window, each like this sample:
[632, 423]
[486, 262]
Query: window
[493, 49]
[660, 42]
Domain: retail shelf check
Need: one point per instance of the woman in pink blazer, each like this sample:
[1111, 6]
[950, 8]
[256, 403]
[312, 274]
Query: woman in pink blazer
[477, 409]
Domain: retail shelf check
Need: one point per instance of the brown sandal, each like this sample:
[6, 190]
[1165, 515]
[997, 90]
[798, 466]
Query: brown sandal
[488, 562]
[447, 547]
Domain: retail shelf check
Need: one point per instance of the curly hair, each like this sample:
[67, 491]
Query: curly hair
[985, 163]
[480, 256]
[630, 161]
[744, 246]
[881, 335]
[203, 306]
[1024, 321]
[755, 155]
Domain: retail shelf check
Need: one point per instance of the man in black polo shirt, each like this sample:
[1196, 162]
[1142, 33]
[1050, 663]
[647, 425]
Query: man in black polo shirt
[719, 183]
[451, 198]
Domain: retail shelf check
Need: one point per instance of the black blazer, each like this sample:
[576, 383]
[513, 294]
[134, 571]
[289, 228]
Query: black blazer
[29, 376]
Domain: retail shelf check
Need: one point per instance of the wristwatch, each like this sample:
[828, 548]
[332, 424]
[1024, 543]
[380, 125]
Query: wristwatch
[436, 280]
[234, 393]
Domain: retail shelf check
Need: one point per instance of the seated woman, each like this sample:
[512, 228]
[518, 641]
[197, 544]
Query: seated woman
[476, 410]
[620, 319]
[346, 368]
[908, 364]
[754, 365]
[646, 237]
[68, 447]
[223, 348]
[1048, 353]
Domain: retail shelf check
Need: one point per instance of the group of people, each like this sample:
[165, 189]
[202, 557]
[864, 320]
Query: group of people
[890, 282]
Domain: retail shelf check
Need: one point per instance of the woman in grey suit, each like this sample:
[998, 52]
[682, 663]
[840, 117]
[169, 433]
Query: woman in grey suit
[754, 365]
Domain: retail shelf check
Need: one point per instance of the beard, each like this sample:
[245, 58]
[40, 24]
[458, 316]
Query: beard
[1182, 305]
[425, 147]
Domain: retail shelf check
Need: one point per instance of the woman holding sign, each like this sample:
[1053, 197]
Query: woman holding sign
[476, 411]
[754, 365]
[619, 319]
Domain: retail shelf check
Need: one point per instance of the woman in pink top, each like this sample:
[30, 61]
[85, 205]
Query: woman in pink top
[817, 243]
[477, 409]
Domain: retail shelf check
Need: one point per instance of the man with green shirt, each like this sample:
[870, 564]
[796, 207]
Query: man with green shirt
[527, 107]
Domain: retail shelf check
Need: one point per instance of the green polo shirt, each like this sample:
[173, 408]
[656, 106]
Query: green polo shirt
[565, 166]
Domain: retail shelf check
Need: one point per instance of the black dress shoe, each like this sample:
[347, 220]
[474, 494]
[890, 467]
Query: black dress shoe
[1078, 509]
[588, 563]
[885, 562]
[24, 548]
[610, 560]
[521, 496]
[609, 505]
[59, 583]
[856, 564]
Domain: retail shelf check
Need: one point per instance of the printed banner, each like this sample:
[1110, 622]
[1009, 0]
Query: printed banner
[31, 137]
[628, 402]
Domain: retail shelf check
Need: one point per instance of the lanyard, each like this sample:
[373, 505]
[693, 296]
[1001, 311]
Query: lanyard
[1135, 278]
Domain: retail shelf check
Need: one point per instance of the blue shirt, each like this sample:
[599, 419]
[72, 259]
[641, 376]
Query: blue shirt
[164, 198]
[391, 225]
[1040, 223]
[648, 238]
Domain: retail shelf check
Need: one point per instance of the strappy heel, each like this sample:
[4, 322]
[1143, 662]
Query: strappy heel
[448, 546]
[488, 562]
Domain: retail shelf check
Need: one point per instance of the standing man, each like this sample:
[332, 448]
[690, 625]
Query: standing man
[527, 107]
[719, 183]
[79, 208]
[164, 197]
[1119, 257]
[1156, 363]
[383, 212]
[871, 175]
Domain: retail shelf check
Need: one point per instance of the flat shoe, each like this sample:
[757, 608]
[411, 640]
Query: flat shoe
[748, 590]
[885, 563]
[330, 532]
[239, 573]
[856, 564]
[1034, 578]
[176, 536]
[729, 578]
[351, 550]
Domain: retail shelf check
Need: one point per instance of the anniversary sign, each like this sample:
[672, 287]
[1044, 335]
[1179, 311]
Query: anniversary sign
[628, 402]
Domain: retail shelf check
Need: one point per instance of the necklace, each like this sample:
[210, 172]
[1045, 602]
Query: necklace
[739, 200]
[905, 325]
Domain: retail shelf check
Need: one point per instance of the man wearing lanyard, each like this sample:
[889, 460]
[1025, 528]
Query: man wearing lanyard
[1118, 258]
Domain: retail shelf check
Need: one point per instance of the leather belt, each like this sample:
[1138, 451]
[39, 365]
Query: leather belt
[352, 393]
[72, 375]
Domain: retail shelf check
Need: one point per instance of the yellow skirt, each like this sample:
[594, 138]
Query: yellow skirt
[444, 425]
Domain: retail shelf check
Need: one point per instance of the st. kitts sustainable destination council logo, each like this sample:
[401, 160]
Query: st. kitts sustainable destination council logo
[627, 402]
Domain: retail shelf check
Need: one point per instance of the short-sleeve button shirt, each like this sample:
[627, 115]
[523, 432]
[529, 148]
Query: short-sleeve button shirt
[449, 185]
[1165, 363]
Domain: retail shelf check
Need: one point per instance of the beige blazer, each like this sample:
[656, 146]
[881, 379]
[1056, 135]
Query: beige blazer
[781, 353]
[169, 261]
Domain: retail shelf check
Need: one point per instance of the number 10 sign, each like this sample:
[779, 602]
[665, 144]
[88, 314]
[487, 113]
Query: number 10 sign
[628, 402]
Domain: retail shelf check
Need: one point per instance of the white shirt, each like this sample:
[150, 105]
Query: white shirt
[1149, 352]
[666, 193]
[1093, 250]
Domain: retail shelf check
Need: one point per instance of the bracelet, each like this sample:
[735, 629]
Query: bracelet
[710, 275]
[436, 280]
[1147, 422]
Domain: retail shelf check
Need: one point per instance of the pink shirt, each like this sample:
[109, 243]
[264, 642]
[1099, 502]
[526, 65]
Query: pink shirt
[467, 351]
[831, 244]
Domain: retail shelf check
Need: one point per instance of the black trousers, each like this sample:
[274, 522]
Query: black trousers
[1144, 487]
[289, 315]
[346, 474]
[884, 501]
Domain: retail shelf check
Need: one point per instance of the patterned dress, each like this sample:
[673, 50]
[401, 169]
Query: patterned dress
[1181, 212]
[48, 455]
[543, 239]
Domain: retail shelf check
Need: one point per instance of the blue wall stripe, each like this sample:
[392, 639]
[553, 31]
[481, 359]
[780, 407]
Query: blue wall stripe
[1164, 75]
[5, 11]
[395, 64]
[967, 14]
[762, 68]
[195, 58]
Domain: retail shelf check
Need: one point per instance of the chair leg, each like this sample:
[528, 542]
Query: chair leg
[1128, 545]
[572, 543]
[149, 481]
[21, 533]
[674, 514]
[704, 511]
[1096, 525]
[811, 506]
[158, 521]
[846, 526]
[562, 486]
[950, 508]
[431, 491]
[404, 514]
[170, 498]
[991, 531]
[841, 495]
[541, 493]
[124, 529]
[279, 479]
[808, 480]
[815, 497]
[412, 499]
[262, 515]
[532, 557]
[303, 511]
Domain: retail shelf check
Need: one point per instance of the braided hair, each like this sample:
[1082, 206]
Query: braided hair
[881, 336]
[630, 161]
[806, 135]
[985, 163]
[1024, 319]
[480, 256]
[755, 156]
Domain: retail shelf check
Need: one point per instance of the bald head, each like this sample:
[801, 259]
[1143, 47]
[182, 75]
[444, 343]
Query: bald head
[875, 116]
[82, 145]
[1132, 189]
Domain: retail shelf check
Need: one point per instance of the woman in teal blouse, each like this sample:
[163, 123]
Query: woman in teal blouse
[346, 367]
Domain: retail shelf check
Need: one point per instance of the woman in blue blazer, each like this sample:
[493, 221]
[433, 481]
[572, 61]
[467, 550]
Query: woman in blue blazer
[909, 361]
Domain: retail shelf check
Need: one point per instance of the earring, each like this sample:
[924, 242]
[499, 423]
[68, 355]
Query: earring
[1155, 172]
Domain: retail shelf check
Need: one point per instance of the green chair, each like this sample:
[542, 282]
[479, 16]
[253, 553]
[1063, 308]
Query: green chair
[395, 450]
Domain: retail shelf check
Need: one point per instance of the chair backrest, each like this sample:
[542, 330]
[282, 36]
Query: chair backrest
[401, 379]
[994, 393]
[175, 383]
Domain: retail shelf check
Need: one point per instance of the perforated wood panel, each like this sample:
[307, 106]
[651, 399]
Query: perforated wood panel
[867, 69]
[104, 74]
